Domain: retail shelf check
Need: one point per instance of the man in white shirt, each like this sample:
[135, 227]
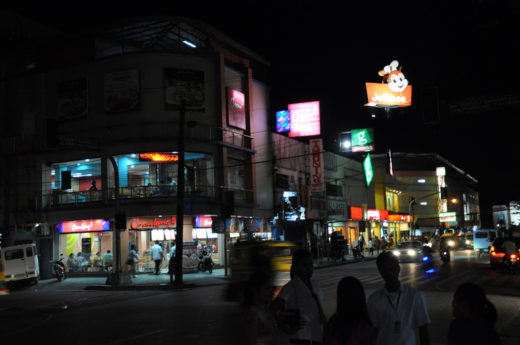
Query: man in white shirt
[397, 310]
[301, 295]
[157, 255]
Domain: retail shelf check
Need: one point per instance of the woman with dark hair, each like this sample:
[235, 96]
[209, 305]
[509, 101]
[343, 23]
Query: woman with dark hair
[259, 324]
[351, 324]
[475, 317]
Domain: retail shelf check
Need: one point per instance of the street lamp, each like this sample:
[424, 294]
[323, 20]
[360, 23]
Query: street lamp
[411, 211]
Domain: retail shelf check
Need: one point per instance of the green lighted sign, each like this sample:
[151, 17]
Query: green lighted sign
[367, 167]
[357, 140]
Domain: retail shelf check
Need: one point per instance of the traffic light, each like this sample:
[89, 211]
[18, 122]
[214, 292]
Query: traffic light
[121, 220]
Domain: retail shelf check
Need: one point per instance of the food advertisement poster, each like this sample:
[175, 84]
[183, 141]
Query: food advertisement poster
[121, 91]
[72, 97]
[184, 84]
[189, 257]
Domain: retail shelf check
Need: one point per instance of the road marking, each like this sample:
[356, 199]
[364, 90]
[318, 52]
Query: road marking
[119, 341]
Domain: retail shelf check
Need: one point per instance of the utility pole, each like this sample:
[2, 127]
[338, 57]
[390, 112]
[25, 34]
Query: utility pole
[180, 200]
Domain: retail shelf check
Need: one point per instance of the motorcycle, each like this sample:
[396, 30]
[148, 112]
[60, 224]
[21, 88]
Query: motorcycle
[445, 255]
[427, 262]
[205, 262]
[511, 263]
[59, 268]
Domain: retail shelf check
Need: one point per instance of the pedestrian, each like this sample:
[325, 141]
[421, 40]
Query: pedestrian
[157, 256]
[107, 260]
[377, 244]
[298, 307]
[474, 317]
[72, 263]
[361, 244]
[351, 324]
[133, 259]
[383, 243]
[397, 311]
[171, 262]
[259, 323]
[370, 247]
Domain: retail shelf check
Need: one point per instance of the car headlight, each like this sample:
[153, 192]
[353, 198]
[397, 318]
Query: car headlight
[411, 252]
[451, 243]
[396, 253]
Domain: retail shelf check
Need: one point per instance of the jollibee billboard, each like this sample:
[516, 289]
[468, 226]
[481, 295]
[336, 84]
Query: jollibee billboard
[394, 91]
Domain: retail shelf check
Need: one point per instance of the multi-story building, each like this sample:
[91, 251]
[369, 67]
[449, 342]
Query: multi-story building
[433, 191]
[92, 129]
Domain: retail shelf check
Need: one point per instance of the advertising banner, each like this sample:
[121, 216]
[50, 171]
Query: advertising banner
[83, 226]
[304, 119]
[72, 98]
[143, 223]
[394, 91]
[184, 84]
[122, 91]
[317, 168]
[236, 108]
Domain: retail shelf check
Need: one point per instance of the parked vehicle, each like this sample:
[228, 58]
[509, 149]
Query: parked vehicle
[20, 263]
[483, 239]
[59, 268]
[205, 262]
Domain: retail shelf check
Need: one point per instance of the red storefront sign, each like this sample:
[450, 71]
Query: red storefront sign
[400, 218]
[317, 169]
[203, 222]
[377, 214]
[140, 223]
[356, 213]
[89, 225]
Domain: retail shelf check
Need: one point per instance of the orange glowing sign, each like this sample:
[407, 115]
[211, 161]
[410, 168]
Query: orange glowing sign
[158, 157]
[395, 92]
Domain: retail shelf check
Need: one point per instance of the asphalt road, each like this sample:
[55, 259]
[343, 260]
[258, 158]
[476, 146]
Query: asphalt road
[66, 313]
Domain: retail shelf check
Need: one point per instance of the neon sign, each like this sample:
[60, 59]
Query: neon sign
[155, 222]
[203, 221]
[305, 119]
[367, 167]
[158, 157]
[90, 225]
[395, 92]
[447, 217]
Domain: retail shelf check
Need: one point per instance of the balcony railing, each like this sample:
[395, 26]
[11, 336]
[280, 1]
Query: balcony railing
[59, 198]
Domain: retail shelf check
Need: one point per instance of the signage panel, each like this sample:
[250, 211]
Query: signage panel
[83, 226]
[236, 108]
[305, 119]
[317, 168]
[447, 217]
[143, 223]
[203, 221]
[356, 213]
[283, 121]
[367, 167]
[158, 157]
[394, 91]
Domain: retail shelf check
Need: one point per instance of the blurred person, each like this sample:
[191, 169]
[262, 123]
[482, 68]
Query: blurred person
[351, 324]
[72, 263]
[97, 261]
[157, 256]
[259, 323]
[133, 259]
[397, 311]
[298, 307]
[107, 260]
[474, 318]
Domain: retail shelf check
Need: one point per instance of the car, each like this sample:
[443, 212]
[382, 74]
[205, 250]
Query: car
[497, 253]
[409, 251]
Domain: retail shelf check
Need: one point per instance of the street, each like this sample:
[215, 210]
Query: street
[67, 313]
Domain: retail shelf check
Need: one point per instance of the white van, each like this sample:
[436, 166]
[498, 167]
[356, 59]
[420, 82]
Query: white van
[483, 240]
[20, 263]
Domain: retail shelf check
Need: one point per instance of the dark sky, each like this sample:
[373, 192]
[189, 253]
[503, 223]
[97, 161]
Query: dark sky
[322, 51]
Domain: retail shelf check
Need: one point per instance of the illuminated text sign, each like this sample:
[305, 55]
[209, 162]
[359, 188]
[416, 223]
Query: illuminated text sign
[158, 157]
[152, 222]
[83, 226]
[305, 119]
[448, 217]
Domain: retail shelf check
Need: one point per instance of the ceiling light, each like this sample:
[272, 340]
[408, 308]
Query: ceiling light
[189, 44]
[421, 180]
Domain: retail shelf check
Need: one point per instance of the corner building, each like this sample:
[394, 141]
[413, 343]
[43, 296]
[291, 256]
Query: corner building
[89, 114]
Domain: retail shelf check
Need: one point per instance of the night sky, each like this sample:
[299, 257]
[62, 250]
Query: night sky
[323, 51]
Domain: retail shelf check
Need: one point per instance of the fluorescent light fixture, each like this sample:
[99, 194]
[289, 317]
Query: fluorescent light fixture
[189, 44]
[87, 160]
[423, 203]
[421, 180]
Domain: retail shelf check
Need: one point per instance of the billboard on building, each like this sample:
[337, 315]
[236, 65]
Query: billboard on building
[184, 84]
[122, 91]
[236, 108]
[304, 119]
[393, 92]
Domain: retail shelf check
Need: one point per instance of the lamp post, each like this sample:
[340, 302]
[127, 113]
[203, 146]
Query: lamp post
[411, 211]
[180, 200]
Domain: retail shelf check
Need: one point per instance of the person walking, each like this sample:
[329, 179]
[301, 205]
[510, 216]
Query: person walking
[377, 244]
[157, 256]
[351, 324]
[298, 307]
[107, 260]
[133, 259]
[361, 243]
[397, 311]
[474, 318]
[258, 322]
[171, 262]
[370, 247]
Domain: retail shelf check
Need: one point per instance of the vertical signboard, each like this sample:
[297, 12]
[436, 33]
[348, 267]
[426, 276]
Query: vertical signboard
[236, 109]
[367, 167]
[317, 171]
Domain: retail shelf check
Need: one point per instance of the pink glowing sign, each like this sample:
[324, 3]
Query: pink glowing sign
[305, 119]
[236, 108]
